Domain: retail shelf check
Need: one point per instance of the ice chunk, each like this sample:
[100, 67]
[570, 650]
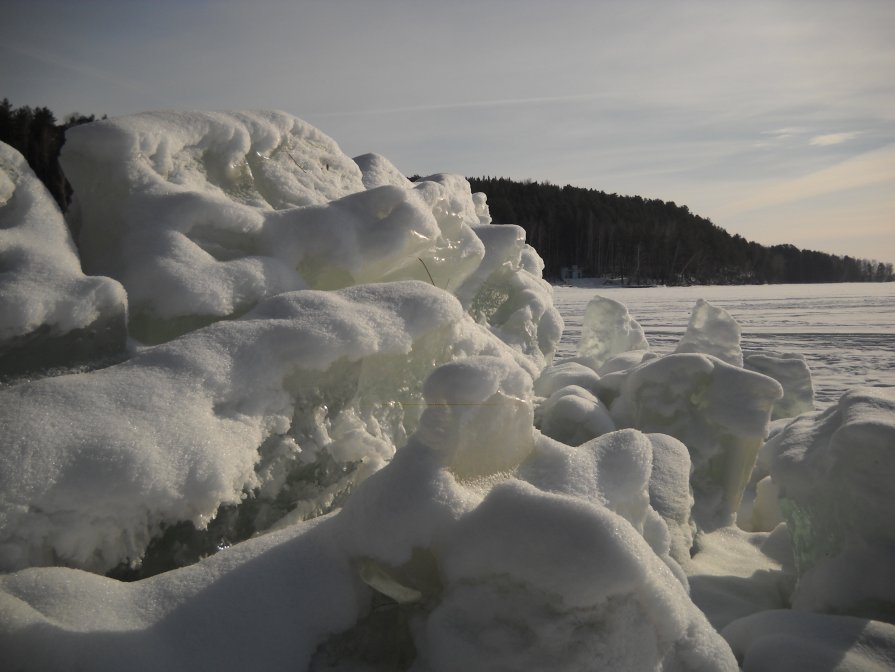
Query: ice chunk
[791, 371]
[51, 314]
[834, 470]
[720, 412]
[573, 415]
[712, 331]
[784, 640]
[378, 171]
[93, 465]
[608, 330]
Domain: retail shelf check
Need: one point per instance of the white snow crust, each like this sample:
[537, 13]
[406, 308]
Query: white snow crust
[339, 441]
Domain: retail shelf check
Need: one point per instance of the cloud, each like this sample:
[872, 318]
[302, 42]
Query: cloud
[833, 139]
[869, 168]
[54, 60]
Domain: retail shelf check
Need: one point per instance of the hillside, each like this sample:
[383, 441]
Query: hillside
[650, 240]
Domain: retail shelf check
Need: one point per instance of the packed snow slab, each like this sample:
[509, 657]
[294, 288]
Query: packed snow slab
[782, 640]
[834, 471]
[719, 411]
[792, 372]
[452, 564]
[296, 402]
[51, 314]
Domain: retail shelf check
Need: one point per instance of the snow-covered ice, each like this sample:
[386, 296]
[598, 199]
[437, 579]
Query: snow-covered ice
[51, 314]
[345, 437]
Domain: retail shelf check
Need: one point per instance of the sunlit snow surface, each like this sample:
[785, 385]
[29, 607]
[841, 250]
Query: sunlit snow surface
[845, 331]
[352, 448]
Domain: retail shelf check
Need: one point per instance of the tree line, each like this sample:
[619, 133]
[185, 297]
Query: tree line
[644, 241]
[605, 235]
[34, 132]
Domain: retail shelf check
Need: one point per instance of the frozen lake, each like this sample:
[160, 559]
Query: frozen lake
[846, 331]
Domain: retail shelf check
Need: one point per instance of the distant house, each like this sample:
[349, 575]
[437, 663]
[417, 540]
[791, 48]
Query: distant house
[567, 273]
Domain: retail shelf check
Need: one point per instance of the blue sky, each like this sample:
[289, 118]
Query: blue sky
[774, 119]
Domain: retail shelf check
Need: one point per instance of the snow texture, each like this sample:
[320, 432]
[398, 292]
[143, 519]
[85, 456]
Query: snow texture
[51, 314]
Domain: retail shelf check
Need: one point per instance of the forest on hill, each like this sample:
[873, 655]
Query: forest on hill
[644, 241]
[603, 235]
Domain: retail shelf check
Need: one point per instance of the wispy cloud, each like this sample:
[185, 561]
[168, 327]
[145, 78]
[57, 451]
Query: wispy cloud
[833, 139]
[457, 105]
[866, 169]
[57, 61]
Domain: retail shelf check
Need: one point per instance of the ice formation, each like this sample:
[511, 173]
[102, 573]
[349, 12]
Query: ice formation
[608, 330]
[339, 440]
[719, 411]
[833, 471]
[51, 314]
[203, 215]
[471, 574]
[712, 331]
[791, 371]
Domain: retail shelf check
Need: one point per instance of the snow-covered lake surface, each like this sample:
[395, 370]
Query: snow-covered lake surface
[846, 331]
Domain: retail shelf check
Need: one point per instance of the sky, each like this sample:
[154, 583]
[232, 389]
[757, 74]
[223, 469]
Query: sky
[776, 120]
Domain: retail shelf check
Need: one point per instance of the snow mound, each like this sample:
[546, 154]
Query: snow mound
[436, 561]
[203, 215]
[97, 464]
[51, 314]
[573, 415]
[563, 374]
[834, 471]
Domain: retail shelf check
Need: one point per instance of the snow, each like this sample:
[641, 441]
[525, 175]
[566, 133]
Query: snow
[788, 640]
[50, 312]
[344, 437]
